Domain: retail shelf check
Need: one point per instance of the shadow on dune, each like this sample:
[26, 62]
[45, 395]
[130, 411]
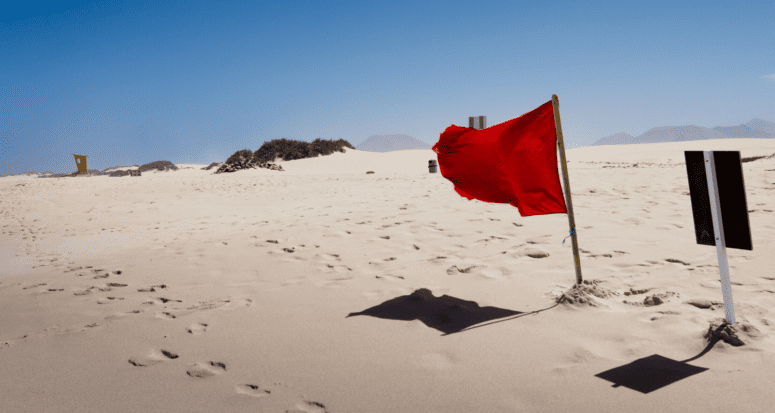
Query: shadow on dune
[446, 314]
[452, 315]
[654, 372]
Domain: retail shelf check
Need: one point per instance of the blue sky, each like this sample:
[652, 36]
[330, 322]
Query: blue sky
[133, 82]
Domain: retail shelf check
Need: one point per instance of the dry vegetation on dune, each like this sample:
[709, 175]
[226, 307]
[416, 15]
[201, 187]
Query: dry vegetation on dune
[283, 149]
[288, 150]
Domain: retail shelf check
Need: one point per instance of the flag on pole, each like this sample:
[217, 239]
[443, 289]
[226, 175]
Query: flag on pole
[514, 162]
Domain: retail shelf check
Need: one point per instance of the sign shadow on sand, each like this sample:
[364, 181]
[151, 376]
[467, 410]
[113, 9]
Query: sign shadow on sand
[655, 372]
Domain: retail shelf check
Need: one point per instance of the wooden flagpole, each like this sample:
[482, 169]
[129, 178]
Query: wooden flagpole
[571, 221]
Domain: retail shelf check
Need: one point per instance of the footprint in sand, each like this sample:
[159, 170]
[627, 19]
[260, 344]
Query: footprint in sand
[327, 259]
[479, 271]
[98, 273]
[307, 407]
[154, 357]
[33, 286]
[152, 289]
[9, 343]
[160, 300]
[108, 300]
[204, 370]
[252, 390]
[224, 303]
[165, 315]
[391, 277]
[95, 271]
[673, 260]
[102, 288]
[197, 328]
[328, 268]
[122, 315]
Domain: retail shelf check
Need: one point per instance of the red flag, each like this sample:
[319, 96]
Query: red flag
[514, 162]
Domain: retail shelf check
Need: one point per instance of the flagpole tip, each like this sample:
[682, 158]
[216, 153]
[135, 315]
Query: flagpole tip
[554, 97]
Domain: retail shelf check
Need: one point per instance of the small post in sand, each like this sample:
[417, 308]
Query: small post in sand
[477, 122]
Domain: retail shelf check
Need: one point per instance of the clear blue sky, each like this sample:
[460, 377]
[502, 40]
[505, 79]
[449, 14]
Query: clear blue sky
[132, 82]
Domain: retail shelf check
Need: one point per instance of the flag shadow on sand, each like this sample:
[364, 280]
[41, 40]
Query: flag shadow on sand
[446, 314]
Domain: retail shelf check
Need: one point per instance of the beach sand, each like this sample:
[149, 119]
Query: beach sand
[269, 291]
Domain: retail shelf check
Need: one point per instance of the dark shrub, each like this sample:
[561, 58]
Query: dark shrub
[158, 165]
[288, 150]
[240, 157]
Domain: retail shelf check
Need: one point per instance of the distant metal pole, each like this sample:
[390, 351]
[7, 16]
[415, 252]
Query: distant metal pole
[571, 220]
[477, 122]
[718, 227]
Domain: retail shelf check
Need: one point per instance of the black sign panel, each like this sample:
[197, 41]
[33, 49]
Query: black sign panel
[731, 192]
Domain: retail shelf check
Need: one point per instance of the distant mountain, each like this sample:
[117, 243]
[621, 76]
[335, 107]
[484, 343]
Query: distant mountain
[389, 143]
[679, 134]
[618, 139]
[761, 125]
[756, 128]
[742, 131]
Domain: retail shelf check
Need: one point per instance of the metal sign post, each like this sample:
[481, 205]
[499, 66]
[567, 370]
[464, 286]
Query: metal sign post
[715, 176]
[718, 228]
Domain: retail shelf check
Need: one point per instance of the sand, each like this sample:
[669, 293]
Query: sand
[322, 289]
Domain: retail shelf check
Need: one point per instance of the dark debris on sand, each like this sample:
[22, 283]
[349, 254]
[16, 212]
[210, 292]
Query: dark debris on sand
[730, 333]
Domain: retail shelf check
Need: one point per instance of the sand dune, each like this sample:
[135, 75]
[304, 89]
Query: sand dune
[326, 289]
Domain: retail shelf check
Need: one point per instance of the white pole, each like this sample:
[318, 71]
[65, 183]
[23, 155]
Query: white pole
[718, 228]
